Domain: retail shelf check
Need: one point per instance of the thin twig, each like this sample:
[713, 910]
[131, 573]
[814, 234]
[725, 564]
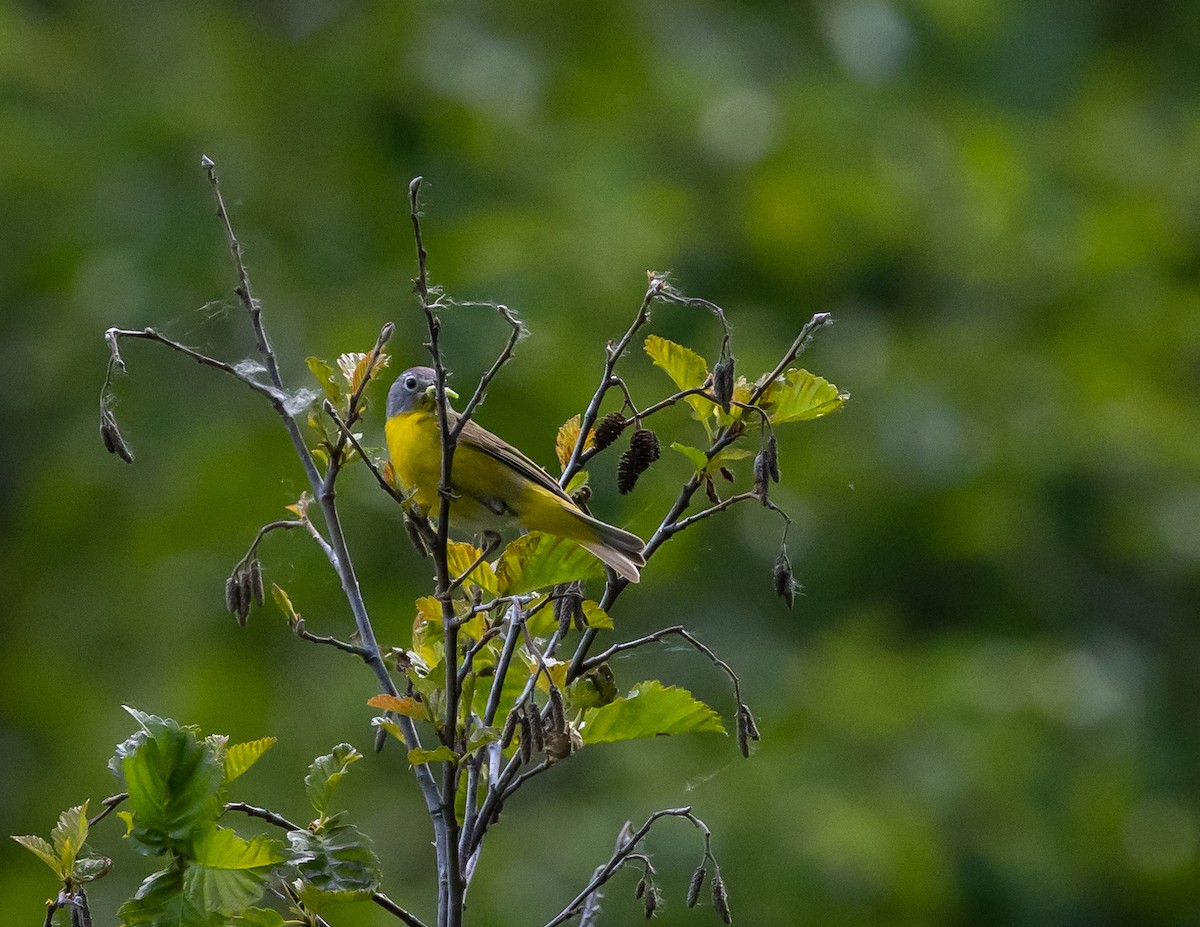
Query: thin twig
[110, 805]
[623, 851]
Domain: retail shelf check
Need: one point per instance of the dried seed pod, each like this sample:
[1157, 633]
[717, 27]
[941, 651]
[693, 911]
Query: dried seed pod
[722, 382]
[641, 888]
[510, 728]
[256, 581]
[727, 473]
[110, 434]
[720, 898]
[233, 595]
[785, 582]
[711, 491]
[535, 728]
[643, 451]
[697, 883]
[380, 739]
[558, 715]
[247, 595]
[751, 727]
[743, 735]
[526, 737]
[651, 900]
[568, 605]
[771, 458]
[608, 430]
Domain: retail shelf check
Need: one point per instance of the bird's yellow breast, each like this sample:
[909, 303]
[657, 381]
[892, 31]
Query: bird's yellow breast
[414, 445]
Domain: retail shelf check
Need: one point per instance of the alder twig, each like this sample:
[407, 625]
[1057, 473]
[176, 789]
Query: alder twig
[110, 804]
[623, 851]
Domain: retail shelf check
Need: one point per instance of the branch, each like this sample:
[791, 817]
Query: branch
[623, 851]
[110, 805]
[806, 334]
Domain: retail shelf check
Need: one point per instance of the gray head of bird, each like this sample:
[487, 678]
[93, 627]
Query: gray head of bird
[414, 390]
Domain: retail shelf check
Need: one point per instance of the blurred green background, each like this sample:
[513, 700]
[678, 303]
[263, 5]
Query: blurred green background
[982, 709]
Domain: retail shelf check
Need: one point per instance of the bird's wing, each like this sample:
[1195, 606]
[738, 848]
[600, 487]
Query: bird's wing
[508, 455]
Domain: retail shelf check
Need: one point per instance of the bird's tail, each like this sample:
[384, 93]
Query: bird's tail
[617, 548]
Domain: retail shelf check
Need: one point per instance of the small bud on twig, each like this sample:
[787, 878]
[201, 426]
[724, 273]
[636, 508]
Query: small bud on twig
[608, 430]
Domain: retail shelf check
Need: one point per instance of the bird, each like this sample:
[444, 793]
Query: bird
[493, 484]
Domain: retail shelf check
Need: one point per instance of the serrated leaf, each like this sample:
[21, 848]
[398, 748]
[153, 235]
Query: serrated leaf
[650, 710]
[419, 755]
[325, 773]
[595, 616]
[539, 561]
[799, 396]
[698, 458]
[43, 850]
[334, 864]
[227, 871]
[241, 757]
[174, 781]
[685, 367]
[460, 555]
[324, 376]
[69, 835]
[160, 901]
[401, 704]
[578, 481]
[564, 442]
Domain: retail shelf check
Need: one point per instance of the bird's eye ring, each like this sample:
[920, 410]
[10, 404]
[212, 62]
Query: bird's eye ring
[410, 383]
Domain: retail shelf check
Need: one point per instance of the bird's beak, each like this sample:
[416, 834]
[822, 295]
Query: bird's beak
[431, 392]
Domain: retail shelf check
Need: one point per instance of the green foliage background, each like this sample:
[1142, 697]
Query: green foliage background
[983, 709]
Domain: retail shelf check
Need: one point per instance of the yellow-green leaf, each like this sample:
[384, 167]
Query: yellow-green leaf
[420, 755]
[538, 561]
[241, 757]
[41, 848]
[650, 710]
[389, 725]
[568, 435]
[324, 375]
[284, 601]
[698, 458]
[799, 396]
[460, 555]
[685, 367]
[595, 616]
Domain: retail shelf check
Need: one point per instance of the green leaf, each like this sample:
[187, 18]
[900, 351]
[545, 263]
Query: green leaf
[650, 710]
[698, 458]
[799, 396]
[578, 481]
[459, 556]
[324, 375]
[174, 781]
[685, 367]
[227, 872]
[241, 757]
[419, 755]
[538, 561]
[259, 917]
[161, 901]
[595, 616]
[284, 601]
[325, 773]
[43, 850]
[334, 864]
[69, 835]
[480, 737]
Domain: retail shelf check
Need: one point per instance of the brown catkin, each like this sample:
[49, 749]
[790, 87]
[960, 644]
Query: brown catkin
[608, 430]
[697, 883]
[723, 382]
[643, 451]
[720, 899]
[785, 582]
